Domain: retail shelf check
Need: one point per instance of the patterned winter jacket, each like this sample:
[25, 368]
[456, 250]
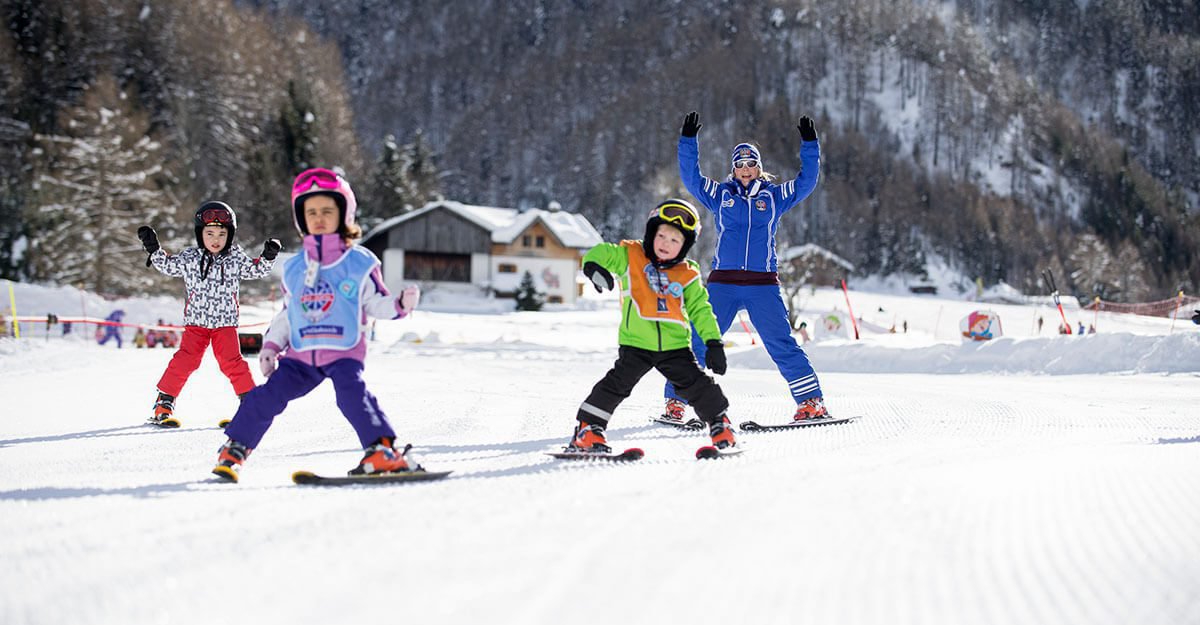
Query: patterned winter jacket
[212, 292]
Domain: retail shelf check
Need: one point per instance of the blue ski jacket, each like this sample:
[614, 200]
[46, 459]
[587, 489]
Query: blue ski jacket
[747, 218]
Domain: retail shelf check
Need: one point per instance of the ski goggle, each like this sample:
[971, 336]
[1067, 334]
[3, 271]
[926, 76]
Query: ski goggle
[745, 163]
[679, 215]
[216, 216]
[322, 178]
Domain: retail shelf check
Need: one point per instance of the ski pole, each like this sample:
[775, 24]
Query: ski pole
[1049, 277]
[746, 327]
[853, 321]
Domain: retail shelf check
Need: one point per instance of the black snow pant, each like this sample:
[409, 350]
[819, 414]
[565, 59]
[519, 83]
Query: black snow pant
[678, 366]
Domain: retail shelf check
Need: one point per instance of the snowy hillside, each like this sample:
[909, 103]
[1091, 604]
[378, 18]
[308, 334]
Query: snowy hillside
[1033, 479]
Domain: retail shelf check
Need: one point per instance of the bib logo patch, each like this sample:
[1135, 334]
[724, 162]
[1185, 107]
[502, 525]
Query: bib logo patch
[316, 300]
[348, 288]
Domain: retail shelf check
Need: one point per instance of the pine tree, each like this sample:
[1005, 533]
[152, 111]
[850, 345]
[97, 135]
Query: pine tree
[528, 297]
[389, 187]
[299, 122]
[95, 185]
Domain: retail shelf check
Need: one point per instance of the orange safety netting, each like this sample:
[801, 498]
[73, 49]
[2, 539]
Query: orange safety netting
[1161, 308]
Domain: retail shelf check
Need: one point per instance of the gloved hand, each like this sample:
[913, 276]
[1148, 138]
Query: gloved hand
[808, 132]
[271, 249]
[600, 277]
[714, 356]
[691, 125]
[409, 298]
[1196, 318]
[268, 359]
[149, 241]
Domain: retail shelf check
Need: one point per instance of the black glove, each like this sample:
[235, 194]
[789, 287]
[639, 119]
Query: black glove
[149, 241]
[691, 124]
[271, 249]
[600, 277]
[1196, 318]
[714, 356]
[807, 131]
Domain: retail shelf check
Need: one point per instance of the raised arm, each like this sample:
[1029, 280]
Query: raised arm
[701, 187]
[793, 191]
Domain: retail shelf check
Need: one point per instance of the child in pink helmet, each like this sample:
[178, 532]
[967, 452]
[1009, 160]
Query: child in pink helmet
[330, 289]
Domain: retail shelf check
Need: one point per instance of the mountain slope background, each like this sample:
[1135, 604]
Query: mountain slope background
[996, 138]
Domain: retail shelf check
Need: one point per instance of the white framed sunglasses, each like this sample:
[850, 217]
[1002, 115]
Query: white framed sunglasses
[745, 163]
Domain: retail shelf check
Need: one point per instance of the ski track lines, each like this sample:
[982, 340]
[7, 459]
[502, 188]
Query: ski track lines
[954, 499]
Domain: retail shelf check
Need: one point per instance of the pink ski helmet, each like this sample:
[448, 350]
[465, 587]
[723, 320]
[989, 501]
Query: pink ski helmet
[326, 182]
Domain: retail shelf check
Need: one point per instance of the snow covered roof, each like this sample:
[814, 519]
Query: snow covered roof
[506, 224]
[812, 249]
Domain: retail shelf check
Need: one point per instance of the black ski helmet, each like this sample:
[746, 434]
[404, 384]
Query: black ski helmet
[214, 213]
[680, 214]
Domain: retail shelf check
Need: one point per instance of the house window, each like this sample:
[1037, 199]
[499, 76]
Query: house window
[507, 268]
[526, 240]
[554, 299]
[437, 267]
[541, 241]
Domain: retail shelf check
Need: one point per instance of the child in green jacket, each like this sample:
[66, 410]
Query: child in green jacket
[661, 293]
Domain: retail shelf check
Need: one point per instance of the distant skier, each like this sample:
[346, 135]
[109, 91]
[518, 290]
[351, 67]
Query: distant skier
[664, 292]
[112, 329]
[212, 273]
[747, 207]
[330, 289]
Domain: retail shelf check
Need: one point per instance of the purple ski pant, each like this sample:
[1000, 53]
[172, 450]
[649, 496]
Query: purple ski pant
[295, 379]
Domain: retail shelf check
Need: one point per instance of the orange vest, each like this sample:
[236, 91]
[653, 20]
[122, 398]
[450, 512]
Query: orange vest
[657, 293]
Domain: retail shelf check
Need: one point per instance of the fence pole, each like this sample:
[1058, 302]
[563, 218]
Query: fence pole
[1178, 303]
[12, 302]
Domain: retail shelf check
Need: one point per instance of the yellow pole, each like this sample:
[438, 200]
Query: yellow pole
[12, 302]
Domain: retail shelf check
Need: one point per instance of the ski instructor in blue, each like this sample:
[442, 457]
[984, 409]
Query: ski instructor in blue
[747, 207]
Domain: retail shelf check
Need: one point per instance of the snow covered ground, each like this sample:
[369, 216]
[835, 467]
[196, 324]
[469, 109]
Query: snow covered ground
[1033, 479]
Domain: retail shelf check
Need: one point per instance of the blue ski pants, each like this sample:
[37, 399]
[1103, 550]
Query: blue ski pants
[764, 304]
[295, 379]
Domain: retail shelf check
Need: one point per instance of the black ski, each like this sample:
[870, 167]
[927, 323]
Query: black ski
[309, 478]
[629, 455]
[691, 424]
[708, 452]
[750, 426]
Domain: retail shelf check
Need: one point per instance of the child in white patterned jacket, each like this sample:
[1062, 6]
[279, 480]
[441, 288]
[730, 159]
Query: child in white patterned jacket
[212, 273]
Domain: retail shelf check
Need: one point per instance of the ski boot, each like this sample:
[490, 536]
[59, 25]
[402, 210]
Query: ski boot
[382, 457]
[811, 408]
[589, 438]
[230, 459]
[674, 412]
[722, 434]
[164, 412]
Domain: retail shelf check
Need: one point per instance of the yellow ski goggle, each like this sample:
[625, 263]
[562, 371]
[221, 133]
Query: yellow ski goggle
[679, 214]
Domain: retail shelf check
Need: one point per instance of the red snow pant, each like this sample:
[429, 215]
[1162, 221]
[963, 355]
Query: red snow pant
[225, 347]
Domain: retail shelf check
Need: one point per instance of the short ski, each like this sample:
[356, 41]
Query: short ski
[223, 422]
[708, 451]
[166, 423]
[633, 453]
[691, 424]
[312, 479]
[750, 426]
